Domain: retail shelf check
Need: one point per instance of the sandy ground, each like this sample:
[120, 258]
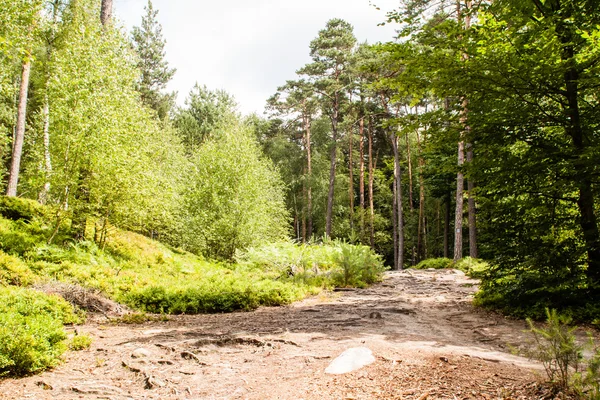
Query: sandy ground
[428, 340]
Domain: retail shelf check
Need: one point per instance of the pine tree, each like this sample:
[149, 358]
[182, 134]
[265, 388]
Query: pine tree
[150, 46]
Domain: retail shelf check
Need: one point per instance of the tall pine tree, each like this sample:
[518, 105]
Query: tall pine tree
[149, 44]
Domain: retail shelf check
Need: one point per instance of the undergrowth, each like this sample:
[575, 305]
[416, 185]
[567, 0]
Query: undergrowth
[32, 337]
[147, 276]
[562, 356]
[473, 267]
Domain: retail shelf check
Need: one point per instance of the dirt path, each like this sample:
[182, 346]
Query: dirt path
[429, 343]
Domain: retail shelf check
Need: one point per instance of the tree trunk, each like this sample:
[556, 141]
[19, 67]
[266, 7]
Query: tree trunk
[361, 183]
[106, 11]
[333, 161]
[447, 226]
[460, 178]
[410, 175]
[371, 182]
[17, 148]
[458, 217]
[399, 214]
[395, 218]
[309, 223]
[421, 241]
[472, 208]
[351, 177]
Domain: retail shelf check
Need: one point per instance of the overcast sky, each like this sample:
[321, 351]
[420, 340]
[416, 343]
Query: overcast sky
[249, 47]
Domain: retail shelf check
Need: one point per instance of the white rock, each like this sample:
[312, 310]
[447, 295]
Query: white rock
[351, 360]
[141, 353]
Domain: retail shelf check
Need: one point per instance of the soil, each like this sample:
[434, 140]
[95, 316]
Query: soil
[428, 340]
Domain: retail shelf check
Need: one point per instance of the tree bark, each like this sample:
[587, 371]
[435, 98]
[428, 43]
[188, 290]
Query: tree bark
[307, 143]
[106, 11]
[447, 226]
[371, 182]
[361, 183]
[421, 237]
[399, 214]
[460, 178]
[458, 217]
[472, 208]
[351, 177]
[17, 148]
[333, 162]
[410, 175]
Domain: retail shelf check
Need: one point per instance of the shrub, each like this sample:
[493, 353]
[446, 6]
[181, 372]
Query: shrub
[357, 265]
[473, 267]
[31, 330]
[80, 342]
[15, 208]
[435, 263]
[13, 271]
[333, 263]
[562, 357]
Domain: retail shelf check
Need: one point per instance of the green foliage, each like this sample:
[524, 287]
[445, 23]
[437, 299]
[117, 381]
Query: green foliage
[20, 209]
[435, 263]
[31, 330]
[475, 268]
[80, 342]
[234, 198]
[149, 45]
[13, 271]
[358, 265]
[562, 356]
[333, 263]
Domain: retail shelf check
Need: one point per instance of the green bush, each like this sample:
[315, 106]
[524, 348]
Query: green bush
[31, 330]
[562, 356]
[473, 267]
[357, 266]
[15, 208]
[333, 263]
[13, 271]
[80, 342]
[435, 263]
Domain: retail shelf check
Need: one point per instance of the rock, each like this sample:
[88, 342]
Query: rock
[141, 353]
[351, 360]
[44, 385]
[459, 272]
[152, 382]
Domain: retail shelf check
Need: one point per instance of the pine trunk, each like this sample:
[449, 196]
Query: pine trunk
[371, 182]
[351, 178]
[17, 148]
[332, 168]
[472, 209]
[309, 222]
[361, 183]
[410, 176]
[399, 214]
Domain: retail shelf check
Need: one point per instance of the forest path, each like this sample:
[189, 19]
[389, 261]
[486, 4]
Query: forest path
[428, 340]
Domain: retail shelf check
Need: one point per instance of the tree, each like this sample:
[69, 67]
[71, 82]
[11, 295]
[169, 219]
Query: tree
[234, 197]
[31, 16]
[149, 44]
[204, 111]
[331, 52]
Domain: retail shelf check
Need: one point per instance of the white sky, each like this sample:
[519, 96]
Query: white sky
[249, 47]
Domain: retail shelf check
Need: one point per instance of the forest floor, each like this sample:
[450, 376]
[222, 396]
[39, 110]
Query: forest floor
[428, 340]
